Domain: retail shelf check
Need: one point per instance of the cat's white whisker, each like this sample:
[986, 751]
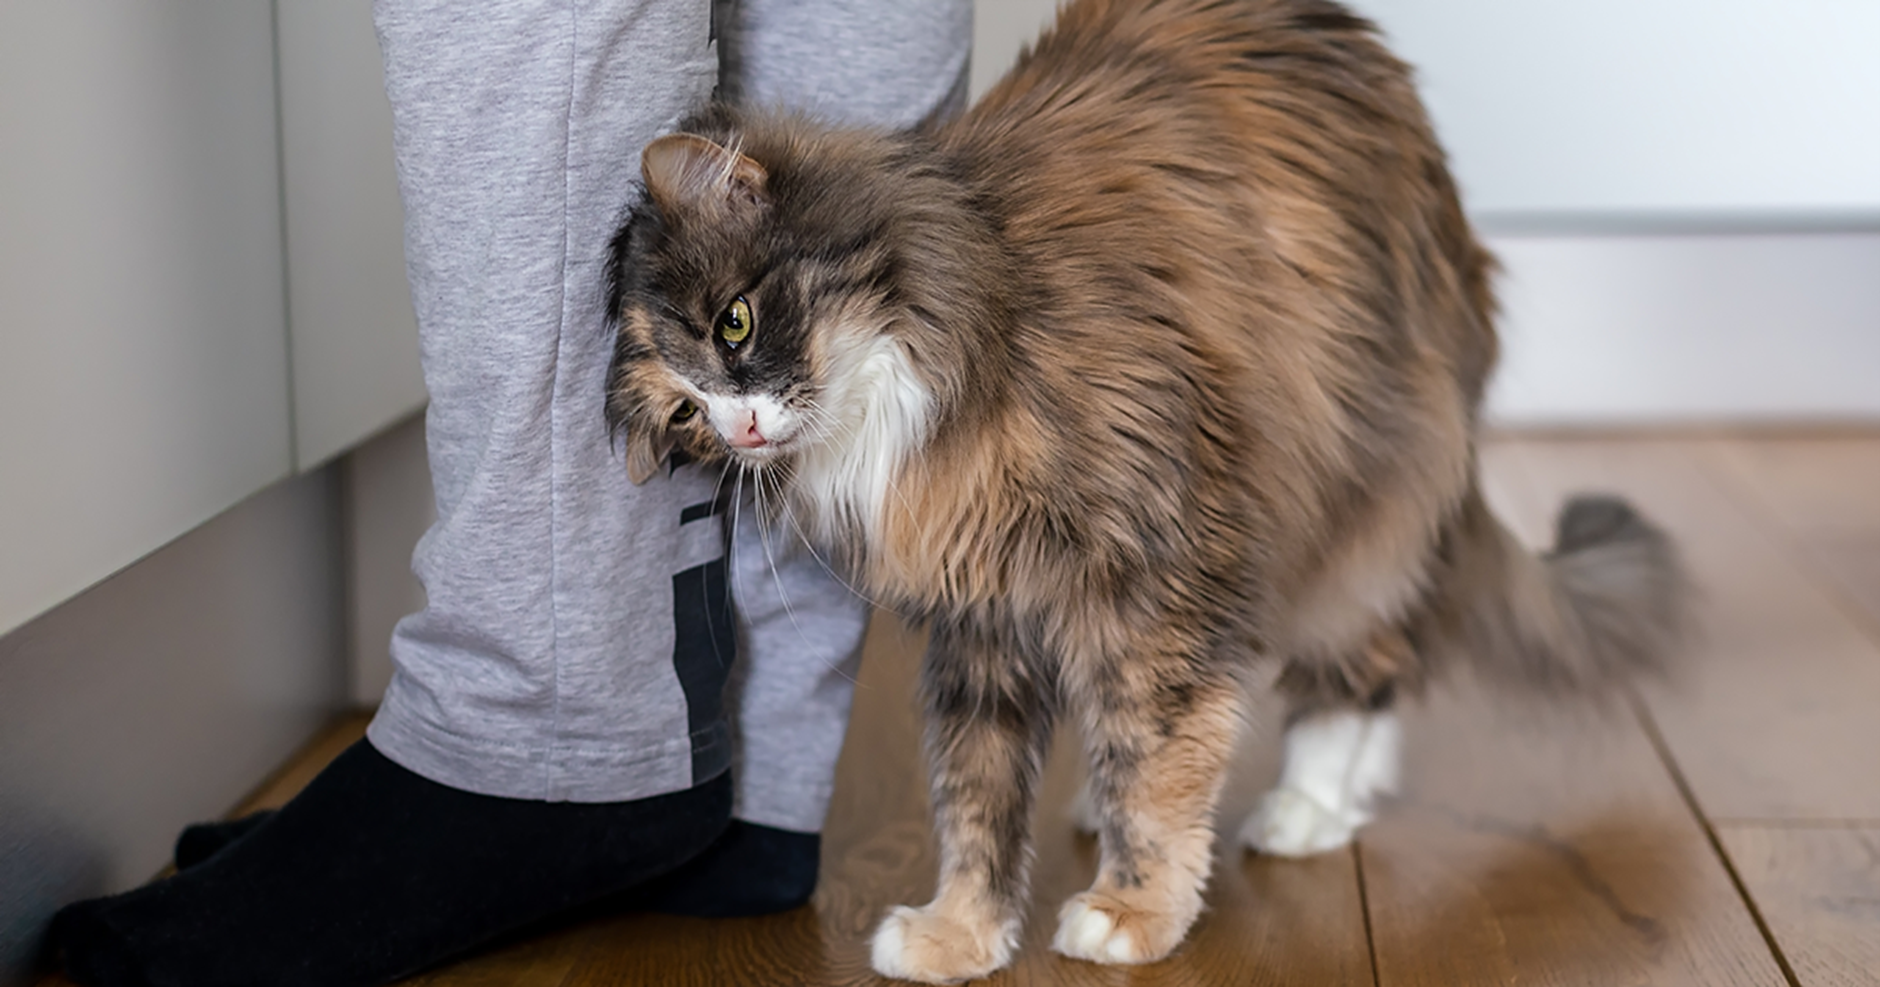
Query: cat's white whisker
[764, 541]
[739, 590]
[719, 487]
[758, 477]
[827, 425]
[789, 517]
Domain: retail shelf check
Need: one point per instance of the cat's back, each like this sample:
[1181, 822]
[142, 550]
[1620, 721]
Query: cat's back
[1106, 57]
[1158, 160]
[1231, 252]
[1273, 94]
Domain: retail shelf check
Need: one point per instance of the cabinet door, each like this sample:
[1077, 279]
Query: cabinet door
[143, 364]
[355, 342]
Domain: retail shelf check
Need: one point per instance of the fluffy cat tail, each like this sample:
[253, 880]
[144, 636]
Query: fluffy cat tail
[1608, 604]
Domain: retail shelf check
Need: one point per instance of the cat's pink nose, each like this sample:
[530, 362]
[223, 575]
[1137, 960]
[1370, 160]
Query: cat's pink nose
[744, 434]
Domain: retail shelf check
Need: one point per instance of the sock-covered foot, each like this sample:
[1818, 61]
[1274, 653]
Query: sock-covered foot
[750, 870]
[373, 873]
[204, 840]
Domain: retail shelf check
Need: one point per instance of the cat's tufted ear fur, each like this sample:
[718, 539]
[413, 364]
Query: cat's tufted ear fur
[686, 172]
[647, 450]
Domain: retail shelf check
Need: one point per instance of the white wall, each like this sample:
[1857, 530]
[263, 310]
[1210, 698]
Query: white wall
[1740, 108]
[1659, 108]
[1686, 196]
[1000, 29]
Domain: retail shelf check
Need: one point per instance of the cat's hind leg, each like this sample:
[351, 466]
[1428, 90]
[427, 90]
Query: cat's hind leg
[1158, 742]
[1338, 764]
[1343, 751]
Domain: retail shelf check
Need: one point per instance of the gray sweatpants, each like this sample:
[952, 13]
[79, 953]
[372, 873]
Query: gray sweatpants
[577, 642]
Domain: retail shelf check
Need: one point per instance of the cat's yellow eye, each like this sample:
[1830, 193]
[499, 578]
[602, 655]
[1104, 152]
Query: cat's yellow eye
[686, 410]
[735, 323]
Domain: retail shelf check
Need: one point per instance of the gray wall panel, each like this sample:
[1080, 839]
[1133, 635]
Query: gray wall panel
[160, 697]
[388, 504]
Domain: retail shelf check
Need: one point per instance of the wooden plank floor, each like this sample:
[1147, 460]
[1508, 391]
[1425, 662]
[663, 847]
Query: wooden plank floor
[1723, 829]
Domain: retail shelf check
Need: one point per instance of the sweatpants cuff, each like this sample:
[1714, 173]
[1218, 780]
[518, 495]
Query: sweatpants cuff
[553, 773]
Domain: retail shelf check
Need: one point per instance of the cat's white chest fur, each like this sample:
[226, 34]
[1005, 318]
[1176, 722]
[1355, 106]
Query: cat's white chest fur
[877, 411]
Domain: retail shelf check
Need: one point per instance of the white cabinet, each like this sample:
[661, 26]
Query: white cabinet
[143, 351]
[148, 284]
[355, 343]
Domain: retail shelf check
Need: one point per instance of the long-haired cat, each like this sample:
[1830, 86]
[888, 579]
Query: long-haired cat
[1161, 362]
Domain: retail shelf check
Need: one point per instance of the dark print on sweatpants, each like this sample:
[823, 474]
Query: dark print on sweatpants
[704, 648]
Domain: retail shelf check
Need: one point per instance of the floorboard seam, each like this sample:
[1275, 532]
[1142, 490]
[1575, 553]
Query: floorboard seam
[1797, 823]
[1650, 726]
[1364, 909]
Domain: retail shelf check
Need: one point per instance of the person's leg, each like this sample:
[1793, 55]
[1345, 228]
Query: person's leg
[567, 649]
[877, 62]
[521, 494]
[799, 649]
[578, 631]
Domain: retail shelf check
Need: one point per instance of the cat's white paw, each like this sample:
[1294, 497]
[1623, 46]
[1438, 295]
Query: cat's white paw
[1102, 928]
[1290, 823]
[1089, 933]
[919, 945]
[1337, 766]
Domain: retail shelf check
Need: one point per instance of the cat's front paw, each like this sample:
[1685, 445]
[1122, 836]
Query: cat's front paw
[1290, 823]
[921, 945]
[1103, 929]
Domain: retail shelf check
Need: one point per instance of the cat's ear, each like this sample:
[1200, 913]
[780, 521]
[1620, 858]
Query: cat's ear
[647, 451]
[688, 172]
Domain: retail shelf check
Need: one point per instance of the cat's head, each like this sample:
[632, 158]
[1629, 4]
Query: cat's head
[755, 299]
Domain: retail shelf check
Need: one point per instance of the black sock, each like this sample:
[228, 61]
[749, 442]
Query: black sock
[204, 840]
[373, 873]
[750, 870]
